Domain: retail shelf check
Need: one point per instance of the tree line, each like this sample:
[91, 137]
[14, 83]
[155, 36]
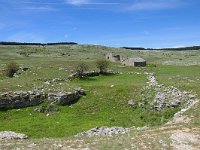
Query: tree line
[41, 44]
[176, 49]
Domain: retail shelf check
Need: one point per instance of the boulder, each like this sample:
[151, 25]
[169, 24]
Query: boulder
[68, 99]
[132, 103]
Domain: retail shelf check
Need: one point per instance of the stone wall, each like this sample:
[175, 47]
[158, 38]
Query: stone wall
[22, 99]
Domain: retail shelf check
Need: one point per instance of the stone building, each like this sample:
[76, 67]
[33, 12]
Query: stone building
[112, 57]
[137, 62]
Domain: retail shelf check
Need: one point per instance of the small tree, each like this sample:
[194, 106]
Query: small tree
[80, 69]
[102, 65]
[11, 68]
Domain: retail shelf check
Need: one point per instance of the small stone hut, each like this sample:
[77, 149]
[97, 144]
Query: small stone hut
[112, 57]
[137, 62]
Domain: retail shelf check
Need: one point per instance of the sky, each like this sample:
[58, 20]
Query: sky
[117, 23]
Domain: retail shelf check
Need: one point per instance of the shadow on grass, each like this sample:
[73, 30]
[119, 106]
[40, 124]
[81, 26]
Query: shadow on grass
[4, 109]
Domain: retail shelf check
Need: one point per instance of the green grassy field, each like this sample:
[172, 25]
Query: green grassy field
[106, 102]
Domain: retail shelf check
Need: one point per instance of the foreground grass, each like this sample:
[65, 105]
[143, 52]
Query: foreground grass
[106, 102]
[98, 108]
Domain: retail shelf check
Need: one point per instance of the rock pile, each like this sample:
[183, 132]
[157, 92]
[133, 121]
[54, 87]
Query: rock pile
[104, 131]
[12, 135]
[166, 97]
[169, 97]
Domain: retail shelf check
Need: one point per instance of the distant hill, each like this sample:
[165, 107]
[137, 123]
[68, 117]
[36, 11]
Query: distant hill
[177, 49]
[20, 43]
[129, 48]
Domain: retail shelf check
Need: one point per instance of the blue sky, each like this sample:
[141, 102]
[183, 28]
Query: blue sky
[145, 23]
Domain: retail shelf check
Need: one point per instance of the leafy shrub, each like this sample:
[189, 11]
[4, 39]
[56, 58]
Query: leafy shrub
[80, 70]
[11, 68]
[151, 65]
[102, 65]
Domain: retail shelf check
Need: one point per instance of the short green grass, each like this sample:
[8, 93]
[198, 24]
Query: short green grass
[106, 102]
[102, 106]
[98, 108]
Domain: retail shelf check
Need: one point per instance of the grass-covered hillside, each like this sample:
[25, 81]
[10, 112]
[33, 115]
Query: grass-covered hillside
[106, 100]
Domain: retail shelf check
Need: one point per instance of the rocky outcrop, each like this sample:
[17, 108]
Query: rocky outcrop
[183, 140]
[165, 97]
[104, 131]
[65, 99]
[12, 135]
[22, 99]
[169, 97]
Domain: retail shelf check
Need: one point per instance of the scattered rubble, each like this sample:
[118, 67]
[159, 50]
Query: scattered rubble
[12, 135]
[165, 97]
[55, 81]
[104, 131]
[183, 140]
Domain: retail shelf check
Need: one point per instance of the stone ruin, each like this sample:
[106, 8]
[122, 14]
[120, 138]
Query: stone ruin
[137, 62]
[22, 99]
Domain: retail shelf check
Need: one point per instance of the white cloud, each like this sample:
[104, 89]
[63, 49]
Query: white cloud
[153, 4]
[35, 8]
[30, 5]
[77, 2]
[87, 2]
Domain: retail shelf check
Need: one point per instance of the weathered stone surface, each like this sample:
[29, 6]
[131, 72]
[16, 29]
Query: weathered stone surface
[21, 99]
[165, 97]
[104, 131]
[182, 140]
[91, 74]
[12, 135]
[85, 74]
[132, 103]
[80, 91]
[68, 99]
[25, 68]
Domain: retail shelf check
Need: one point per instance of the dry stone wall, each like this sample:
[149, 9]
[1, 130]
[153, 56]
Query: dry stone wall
[22, 99]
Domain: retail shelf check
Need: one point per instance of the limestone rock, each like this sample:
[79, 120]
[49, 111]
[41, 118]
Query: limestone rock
[104, 131]
[132, 103]
[12, 135]
[20, 99]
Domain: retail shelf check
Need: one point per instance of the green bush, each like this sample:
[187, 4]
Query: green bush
[102, 65]
[11, 68]
[80, 70]
[151, 65]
